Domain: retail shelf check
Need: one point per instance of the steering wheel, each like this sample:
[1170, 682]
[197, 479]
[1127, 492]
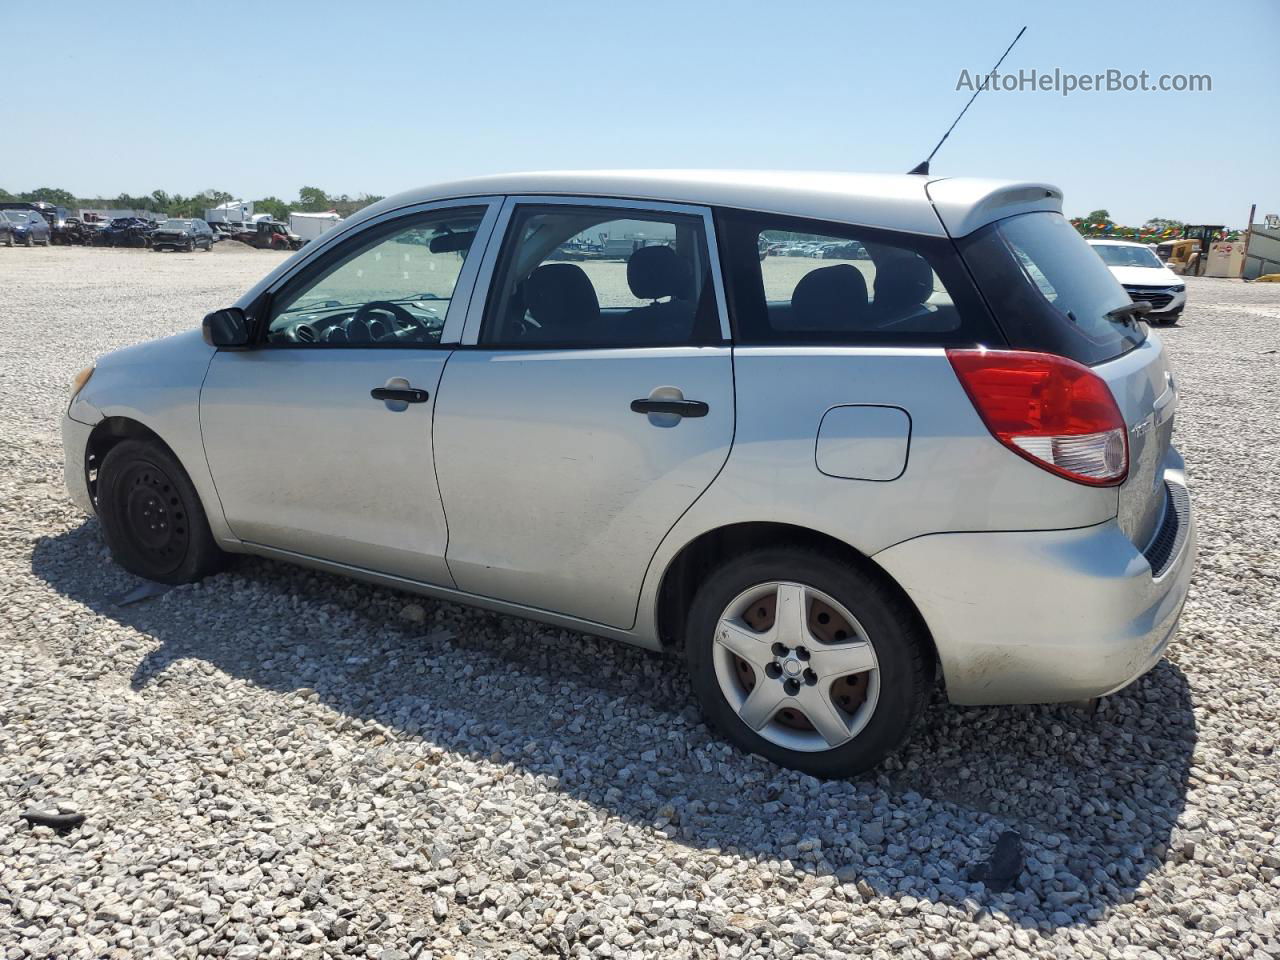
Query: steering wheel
[394, 309]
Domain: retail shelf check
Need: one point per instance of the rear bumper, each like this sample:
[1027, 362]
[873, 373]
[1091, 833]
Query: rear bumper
[1048, 616]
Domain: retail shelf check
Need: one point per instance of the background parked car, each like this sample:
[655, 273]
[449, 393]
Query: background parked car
[270, 235]
[846, 251]
[1145, 278]
[175, 234]
[73, 230]
[27, 227]
[125, 232]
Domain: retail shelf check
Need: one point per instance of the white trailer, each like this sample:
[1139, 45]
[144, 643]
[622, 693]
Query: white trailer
[311, 225]
[233, 211]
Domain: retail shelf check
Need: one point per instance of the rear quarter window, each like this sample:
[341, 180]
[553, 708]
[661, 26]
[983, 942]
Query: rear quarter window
[1049, 290]
[815, 282]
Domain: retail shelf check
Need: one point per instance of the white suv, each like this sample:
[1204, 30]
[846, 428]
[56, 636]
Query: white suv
[1145, 278]
[601, 400]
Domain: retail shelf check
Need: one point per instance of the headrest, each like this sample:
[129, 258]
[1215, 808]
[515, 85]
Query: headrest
[654, 272]
[903, 279]
[561, 298]
[830, 298]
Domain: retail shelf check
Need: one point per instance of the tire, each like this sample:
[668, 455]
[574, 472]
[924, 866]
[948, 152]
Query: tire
[878, 707]
[152, 517]
[29, 241]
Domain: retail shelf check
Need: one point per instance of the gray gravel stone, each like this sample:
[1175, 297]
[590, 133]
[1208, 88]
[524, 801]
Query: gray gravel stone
[279, 763]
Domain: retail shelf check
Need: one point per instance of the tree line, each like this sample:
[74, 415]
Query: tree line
[310, 200]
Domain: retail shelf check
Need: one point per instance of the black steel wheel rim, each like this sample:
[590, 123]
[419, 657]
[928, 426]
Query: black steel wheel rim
[152, 515]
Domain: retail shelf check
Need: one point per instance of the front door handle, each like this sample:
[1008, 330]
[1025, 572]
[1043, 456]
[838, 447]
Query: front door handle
[681, 408]
[403, 394]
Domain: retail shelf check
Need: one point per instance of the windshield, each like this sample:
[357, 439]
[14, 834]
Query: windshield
[16, 216]
[1118, 256]
[176, 225]
[1048, 289]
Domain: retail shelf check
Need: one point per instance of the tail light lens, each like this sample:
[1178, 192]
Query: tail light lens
[1055, 412]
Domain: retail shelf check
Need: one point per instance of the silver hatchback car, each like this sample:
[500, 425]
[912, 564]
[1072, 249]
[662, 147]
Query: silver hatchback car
[941, 444]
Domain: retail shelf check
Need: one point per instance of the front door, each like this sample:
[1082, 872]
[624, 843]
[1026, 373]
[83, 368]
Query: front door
[319, 438]
[592, 406]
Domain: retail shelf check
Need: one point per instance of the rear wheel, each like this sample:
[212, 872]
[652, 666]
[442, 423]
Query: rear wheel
[807, 661]
[152, 517]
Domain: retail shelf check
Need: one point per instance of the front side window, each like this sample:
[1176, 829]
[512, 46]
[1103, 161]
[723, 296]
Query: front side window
[799, 281]
[390, 285]
[579, 276]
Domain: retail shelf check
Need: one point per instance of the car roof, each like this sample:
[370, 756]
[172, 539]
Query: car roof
[904, 202]
[907, 203]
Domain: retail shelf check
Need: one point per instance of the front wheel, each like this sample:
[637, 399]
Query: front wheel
[807, 661]
[152, 517]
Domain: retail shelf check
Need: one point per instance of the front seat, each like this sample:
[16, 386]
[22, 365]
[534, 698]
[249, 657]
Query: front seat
[562, 301]
[830, 299]
[652, 274]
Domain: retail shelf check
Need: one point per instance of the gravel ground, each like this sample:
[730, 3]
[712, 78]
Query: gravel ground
[276, 763]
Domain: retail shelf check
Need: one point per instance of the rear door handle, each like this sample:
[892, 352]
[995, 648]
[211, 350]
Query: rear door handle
[403, 394]
[681, 408]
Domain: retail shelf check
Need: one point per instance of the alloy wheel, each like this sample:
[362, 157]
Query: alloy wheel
[796, 666]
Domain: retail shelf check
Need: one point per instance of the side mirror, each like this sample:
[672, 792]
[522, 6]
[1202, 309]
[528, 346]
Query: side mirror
[226, 328]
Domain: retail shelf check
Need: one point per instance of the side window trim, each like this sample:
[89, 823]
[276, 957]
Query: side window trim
[324, 257]
[483, 284]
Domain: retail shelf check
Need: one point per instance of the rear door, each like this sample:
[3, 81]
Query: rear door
[590, 404]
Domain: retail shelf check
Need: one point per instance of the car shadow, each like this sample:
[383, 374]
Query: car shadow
[1095, 797]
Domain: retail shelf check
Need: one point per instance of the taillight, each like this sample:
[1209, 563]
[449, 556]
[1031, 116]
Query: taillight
[1055, 412]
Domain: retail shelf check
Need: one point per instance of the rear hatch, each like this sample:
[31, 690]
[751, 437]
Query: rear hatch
[1050, 292]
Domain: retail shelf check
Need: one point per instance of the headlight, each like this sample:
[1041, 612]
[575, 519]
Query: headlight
[81, 379]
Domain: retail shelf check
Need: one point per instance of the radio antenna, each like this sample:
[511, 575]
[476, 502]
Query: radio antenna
[923, 168]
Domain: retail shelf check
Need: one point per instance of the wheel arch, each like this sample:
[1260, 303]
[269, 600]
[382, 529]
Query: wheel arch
[695, 561]
[110, 432]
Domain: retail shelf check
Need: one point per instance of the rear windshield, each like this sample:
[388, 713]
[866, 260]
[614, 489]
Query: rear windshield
[1049, 290]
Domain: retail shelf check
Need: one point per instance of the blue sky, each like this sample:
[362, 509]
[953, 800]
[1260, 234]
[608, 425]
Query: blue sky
[262, 98]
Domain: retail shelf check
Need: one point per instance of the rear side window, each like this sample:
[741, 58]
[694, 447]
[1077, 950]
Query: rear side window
[801, 281]
[1049, 290]
[580, 276]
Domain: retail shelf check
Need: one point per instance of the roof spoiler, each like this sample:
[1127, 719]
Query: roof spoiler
[964, 205]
